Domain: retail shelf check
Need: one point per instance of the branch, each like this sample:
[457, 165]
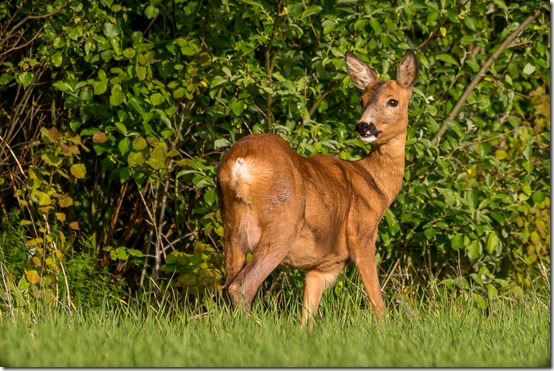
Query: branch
[29, 17]
[14, 157]
[321, 98]
[269, 64]
[482, 73]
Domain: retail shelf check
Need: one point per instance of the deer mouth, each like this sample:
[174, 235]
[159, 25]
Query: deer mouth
[367, 132]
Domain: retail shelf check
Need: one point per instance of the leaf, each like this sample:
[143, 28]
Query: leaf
[429, 233]
[226, 71]
[65, 201]
[392, 222]
[141, 72]
[121, 253]
[57, 59]
[25, 78]
[51, 159]
[499, 217]
[457, 242]
[158, 157]
[179, 93]
[221, 143]
[135, 159]
[471, 23]
[157, 99]
[5, 78]
[124, 145]
[78, 171]
[493, 245]
[110, 30]
[129, 53]
[237, 107]
[121, 126]
[500, 154]
[134, 252]
[139, 144]
[474, 250]
[100, 87]
[42, 198]
[210, 196]
[36, 260]
[529, 69]
[375, 25]
[311, 10]
[32, 276]
[492, 292]
[117, 97]
[99, 137]
[62, 86]
[480, 301]
[85, 94]
[34, 242]
[151, 12]
[74, 226]
[447, 58]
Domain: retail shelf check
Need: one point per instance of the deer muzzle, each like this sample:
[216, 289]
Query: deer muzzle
[367, 132]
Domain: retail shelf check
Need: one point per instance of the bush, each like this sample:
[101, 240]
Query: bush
[114, 117]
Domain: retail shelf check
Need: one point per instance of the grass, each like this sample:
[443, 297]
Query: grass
[508, 333]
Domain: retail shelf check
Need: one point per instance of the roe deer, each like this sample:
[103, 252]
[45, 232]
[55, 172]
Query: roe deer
[315, 213]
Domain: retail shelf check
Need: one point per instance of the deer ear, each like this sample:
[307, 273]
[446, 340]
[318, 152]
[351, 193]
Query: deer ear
[359, 72]
[407, 70]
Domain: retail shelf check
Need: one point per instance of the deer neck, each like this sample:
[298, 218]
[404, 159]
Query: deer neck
[385, 163]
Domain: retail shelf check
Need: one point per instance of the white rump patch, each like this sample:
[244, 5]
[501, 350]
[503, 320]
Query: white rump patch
[240, 171]
[241, 178]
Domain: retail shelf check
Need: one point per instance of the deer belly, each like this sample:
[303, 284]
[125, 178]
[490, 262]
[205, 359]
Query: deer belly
[309, 250]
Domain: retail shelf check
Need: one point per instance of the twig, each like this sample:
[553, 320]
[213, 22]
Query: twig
[66, 281]
[7, 288]
[269, 64]
[482, 73]
[14, 48]
[14, 157]
[29, 17]
[321, 98]
[303, 109]
[479, 142]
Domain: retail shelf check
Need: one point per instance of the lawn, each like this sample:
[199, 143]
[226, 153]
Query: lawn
[509, 332]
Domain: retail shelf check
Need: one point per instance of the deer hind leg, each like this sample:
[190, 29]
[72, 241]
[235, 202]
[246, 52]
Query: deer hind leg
[239, 239]
[268, 254]
[364, 258]
[234, 259]
[314, 284]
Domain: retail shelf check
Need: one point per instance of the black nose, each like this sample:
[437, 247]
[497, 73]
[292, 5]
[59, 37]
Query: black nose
[362, 127]
[365, 130]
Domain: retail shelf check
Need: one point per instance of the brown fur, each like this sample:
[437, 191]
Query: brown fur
[318, 213]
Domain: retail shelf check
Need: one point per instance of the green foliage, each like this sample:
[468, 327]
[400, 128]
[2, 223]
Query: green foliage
[31, 280]
[113, 118]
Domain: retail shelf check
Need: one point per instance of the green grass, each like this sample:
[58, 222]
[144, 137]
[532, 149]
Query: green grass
[508, 333]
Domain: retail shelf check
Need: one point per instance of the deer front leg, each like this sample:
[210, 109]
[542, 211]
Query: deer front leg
[364, 258]
[314, 284]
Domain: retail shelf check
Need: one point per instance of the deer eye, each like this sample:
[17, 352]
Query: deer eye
[392, 103]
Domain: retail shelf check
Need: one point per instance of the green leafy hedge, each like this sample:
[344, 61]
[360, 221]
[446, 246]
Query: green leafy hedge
[114, 117]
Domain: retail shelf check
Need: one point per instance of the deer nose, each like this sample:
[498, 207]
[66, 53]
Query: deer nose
[365, 130]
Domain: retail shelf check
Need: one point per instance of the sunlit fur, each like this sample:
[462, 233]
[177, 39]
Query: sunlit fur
[317, 213]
